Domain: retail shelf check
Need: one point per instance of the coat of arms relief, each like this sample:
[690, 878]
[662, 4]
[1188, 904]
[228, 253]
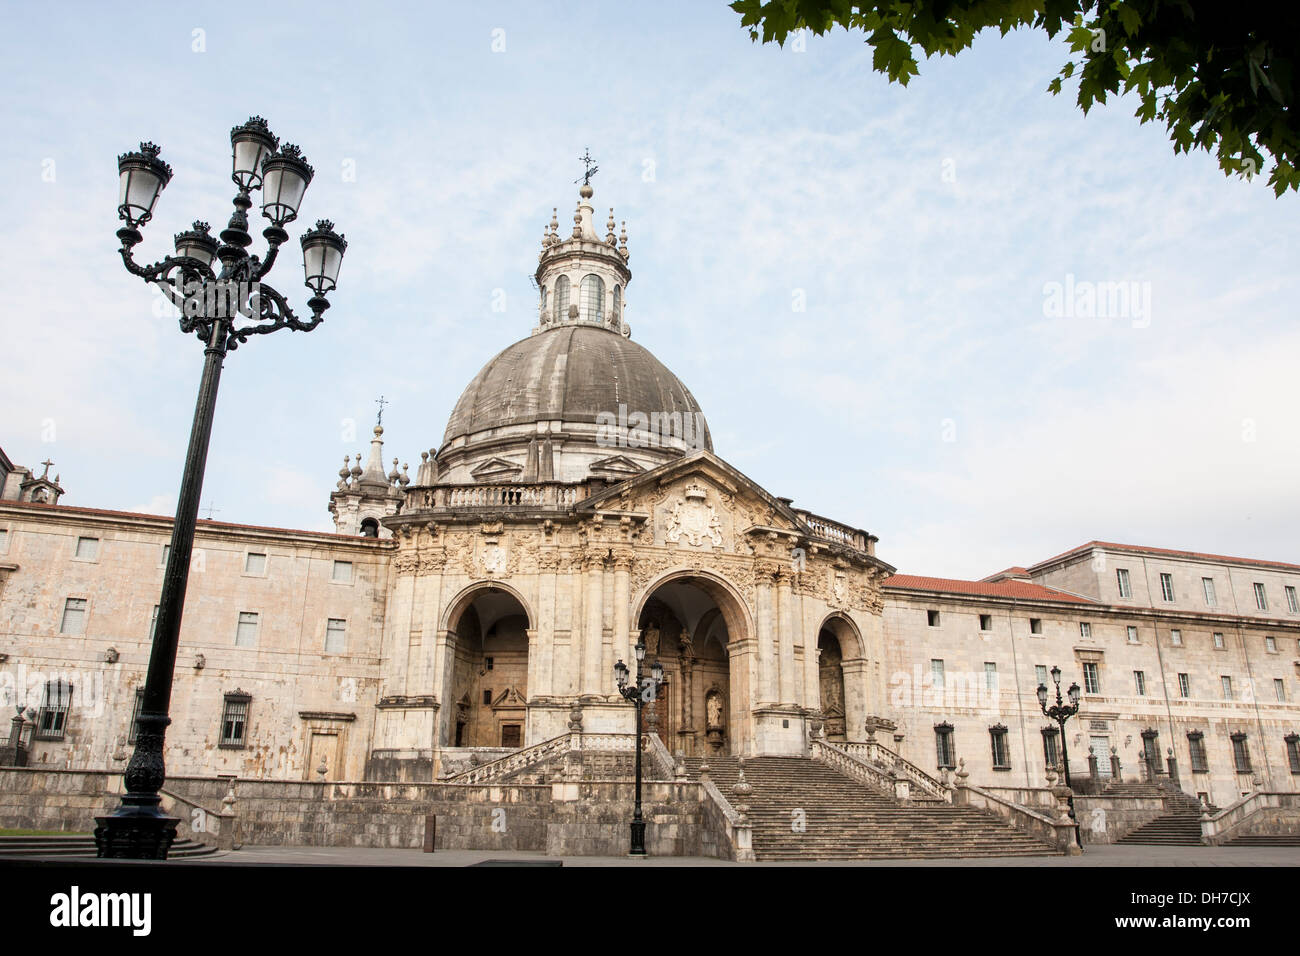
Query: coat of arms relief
[693, 520]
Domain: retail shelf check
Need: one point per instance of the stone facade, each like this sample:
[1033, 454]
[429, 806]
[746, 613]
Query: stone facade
[480, 607]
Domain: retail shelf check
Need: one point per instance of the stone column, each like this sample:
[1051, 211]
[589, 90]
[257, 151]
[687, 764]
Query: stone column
[622, 605]
[687, 691]
[785, 628]
[765, 693]
[593, 638]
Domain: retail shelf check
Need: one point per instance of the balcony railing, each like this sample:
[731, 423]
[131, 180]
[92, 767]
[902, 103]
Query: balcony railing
[834, 531]
[548, 496]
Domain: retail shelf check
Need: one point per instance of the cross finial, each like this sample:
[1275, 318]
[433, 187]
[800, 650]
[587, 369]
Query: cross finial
[211, 510]
[48, 464]
[590, 167]
[381, 402]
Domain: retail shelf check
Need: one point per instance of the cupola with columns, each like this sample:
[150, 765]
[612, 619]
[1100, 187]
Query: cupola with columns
[582, 276]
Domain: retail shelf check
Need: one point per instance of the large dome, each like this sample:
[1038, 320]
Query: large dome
[570, 374]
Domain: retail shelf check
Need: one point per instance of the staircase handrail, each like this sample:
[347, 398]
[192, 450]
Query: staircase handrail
[661, 758]
[877, 754]
[736, 830]
[1056, 832]
[510, 763]
[1217, 828]
[851, 766]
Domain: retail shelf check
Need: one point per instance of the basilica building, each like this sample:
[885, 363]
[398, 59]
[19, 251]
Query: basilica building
[476, 604]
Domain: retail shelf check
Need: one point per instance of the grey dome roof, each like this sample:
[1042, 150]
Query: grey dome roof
[571, 374]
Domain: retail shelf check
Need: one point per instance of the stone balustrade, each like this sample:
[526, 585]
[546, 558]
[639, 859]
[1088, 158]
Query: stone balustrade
[836, 532]
[878, 755]
[540, 496]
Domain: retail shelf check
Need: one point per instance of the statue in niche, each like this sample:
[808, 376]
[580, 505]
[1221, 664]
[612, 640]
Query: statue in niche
[650, 637]
[687, 643]
[713, 710]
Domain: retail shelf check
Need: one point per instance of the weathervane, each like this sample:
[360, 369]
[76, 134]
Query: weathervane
[591, 167]
[381, 403]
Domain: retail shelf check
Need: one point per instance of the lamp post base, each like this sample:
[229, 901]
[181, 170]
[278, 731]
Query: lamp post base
[135, 836]
[638, 838]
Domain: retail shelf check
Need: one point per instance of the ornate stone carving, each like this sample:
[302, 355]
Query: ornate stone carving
[694, 519]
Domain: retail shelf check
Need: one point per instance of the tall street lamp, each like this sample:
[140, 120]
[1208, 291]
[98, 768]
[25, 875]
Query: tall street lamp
[643, 692]
[217, 286]
[1061, 712]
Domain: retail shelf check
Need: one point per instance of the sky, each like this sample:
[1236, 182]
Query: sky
[884, 298]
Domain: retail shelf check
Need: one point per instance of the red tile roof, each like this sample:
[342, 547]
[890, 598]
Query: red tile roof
[1196, 555]
[1001, 589]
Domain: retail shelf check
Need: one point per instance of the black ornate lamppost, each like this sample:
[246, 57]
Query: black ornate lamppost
[214, 284]
[642, 692]
[1061, 712]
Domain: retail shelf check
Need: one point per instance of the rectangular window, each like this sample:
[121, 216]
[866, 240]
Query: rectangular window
[1176, 637]
[4, 540]
[1035, 625]
[1226, 682]
[153, 622]
[74, 617]
[1040, 675]
[342, 572]
[52, 718]
[1279, 689]
[1218, 639]
[87, 549]
[986, 622]
[1085, 630]
[1184, 685]
[1207, 585]
[1001, 755]
[1121, 577]
[1132, 634]
[1292, 602]
[487, 697]
[336, 635]
[166, 553]
[990, 677]
[1140, 683]
[936, 674]
[932, 618]
[131, 729]
[1196, 744]
[234, 720]
[1293, 752]
[1166, 587]
[1240, 753]
[246, 633]
[1051, 747]
[254, 563]
[1270, 645]
[943, 747]
[1091, 679]
[1261, 599]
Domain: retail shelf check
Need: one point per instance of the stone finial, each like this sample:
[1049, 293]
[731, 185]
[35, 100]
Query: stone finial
[622, 241]
[356, 469]
[322, 769]
[393, 475]
[704, 773]
[577, 221]
[405, 478]
[228, 801]
[679, 766]
[344, 475]
[742, 787]
[610, 238]
[575, 718]
[962, 773]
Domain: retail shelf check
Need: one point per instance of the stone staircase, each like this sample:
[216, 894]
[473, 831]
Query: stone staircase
[1265, 839]
[81, 845]
[1180, 826]
[846, 820]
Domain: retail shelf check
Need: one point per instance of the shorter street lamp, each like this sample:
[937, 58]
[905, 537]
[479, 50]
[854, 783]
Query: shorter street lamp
[643, 692]
[1061, 712]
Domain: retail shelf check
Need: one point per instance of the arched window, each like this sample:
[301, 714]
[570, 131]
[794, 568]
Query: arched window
[593, 300]
[618, 301]
[561, 298]
[369, 528]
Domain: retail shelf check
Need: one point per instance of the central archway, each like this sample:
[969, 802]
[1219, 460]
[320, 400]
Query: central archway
[696, 626]
[487, 669]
